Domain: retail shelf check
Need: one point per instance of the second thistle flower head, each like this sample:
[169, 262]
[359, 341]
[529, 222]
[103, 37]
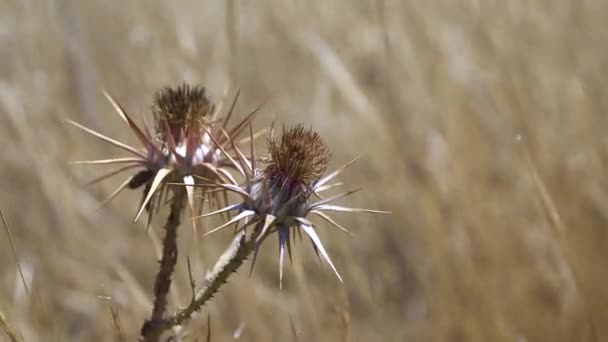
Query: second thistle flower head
[297, 159]
[278, 198]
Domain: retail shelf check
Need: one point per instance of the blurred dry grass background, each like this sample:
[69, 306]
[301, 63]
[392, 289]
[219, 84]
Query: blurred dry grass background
[444, 99]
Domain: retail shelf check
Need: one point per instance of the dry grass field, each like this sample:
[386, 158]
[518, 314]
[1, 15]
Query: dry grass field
[482, 127]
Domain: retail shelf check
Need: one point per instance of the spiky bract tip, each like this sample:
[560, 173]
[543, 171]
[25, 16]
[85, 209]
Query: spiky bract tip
[299, 156]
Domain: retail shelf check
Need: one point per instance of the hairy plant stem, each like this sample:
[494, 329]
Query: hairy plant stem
[150, 331]
[229, 262]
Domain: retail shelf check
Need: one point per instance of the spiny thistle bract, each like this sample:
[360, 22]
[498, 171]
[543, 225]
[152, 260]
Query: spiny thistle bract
[279, 197]
[189, 145]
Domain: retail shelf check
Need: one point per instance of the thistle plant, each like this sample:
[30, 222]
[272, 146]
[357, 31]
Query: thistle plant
[189, 135]
[191, 150]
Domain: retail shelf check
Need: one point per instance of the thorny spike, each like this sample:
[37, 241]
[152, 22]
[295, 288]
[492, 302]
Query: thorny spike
[328, 207]
[146, 127]
[111, 174]
[256, 135]
[226, 175]
[109, 161]
[268, 221]
[109, 140]
[317, 243]
[238, 152]
[236, 131]
[236, 165]
[252, 156]
[225, 193]
[211, 183]
[225, 209]
[302, 220]
[282, 239]
[190, 139]
[231, 110]
[115, 193]
[240, 216]
[158, 179]
[171, 143]
[255, 251]
[140, 135]
[272, 128]
[333, 174]
[331, 221]
[333, 198]
[327, 187]
[189, 184]
[289, 246]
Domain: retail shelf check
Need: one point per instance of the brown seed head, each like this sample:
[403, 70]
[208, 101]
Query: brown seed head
[180, 107]
[299, 156]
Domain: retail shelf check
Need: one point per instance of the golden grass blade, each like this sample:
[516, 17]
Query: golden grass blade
[7, 328]
[116, 323]
[14, 250]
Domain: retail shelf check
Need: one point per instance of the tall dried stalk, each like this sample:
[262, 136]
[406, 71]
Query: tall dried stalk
[14, 250]
[12, 336]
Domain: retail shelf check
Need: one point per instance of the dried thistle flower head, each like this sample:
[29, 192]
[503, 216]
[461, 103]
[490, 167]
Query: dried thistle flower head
[298, 158]
[297, 162]
[189, 147]
[180, 107]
